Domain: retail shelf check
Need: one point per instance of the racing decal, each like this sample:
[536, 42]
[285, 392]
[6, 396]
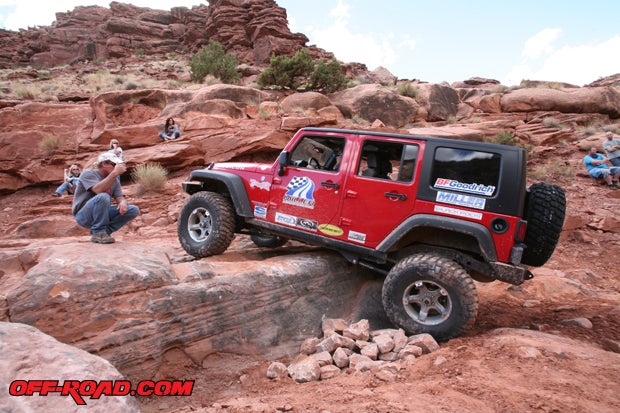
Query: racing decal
[300, 192]
[330, 229]
[260, 185]
[260, 211]
[462, 200]
[455, 185]
[458, 212]
[286, 219]
[357, 237]
[308, 224]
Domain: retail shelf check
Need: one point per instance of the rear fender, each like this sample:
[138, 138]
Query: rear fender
[481, 234]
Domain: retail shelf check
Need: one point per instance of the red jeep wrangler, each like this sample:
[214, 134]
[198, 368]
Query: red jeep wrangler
[431, 214]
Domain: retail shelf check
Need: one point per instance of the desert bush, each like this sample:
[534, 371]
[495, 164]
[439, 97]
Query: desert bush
[150, 177]
[505, 137]
[49, 145]
[408, 90]
[551, 122]
[555, 169]
[287, 72]
[213, 60]
[328, 77]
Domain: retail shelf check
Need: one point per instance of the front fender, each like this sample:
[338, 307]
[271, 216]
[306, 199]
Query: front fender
[221, 182]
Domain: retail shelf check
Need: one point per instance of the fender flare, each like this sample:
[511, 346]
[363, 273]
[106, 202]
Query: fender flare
[202, 178]
[475, 230]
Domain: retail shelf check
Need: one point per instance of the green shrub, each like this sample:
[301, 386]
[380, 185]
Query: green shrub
[328, 77]
[213, 60]
[408, 90]
[49, 145]
[505, 137]
[287, 72]
[551, 122]
[150, 177]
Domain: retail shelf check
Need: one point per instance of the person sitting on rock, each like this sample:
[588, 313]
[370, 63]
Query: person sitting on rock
[116, 149]
[597, 167]
[92, 204]
[612, 149]
[171, 130]
[71, 179]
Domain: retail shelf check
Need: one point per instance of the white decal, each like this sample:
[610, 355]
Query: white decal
[260, 185]
[460, 199]
[260, 211]
[460, 186]
[286, 219]
[357, 237]
[458, 212]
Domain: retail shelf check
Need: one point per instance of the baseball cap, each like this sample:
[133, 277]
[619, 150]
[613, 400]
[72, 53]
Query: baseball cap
[109, 156]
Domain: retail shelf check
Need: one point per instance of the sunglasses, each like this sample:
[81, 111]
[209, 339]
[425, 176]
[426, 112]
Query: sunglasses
[111, 163]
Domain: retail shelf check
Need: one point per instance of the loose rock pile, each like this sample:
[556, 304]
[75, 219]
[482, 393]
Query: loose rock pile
[354, 347]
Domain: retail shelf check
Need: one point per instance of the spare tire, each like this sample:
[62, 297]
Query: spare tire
[545, 209]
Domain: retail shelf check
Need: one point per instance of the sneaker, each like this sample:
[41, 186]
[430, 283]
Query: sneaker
[56, 194]
[102, 238]
[613, 186]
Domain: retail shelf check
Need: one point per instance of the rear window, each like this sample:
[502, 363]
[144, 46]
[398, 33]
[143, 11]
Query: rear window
[465, 170]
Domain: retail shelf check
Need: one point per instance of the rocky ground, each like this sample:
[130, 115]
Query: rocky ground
[550, 345]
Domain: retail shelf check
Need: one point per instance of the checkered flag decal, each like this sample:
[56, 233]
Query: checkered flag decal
[300, 187]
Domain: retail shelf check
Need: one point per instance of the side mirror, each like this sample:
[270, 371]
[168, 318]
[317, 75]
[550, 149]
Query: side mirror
[282, 161]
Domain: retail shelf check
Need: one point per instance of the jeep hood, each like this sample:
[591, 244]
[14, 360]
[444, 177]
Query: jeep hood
[241, 166]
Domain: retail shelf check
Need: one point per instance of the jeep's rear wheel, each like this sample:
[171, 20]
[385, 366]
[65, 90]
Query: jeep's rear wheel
[428, 293]
[206, 224]
[544, 212]
[268, 241]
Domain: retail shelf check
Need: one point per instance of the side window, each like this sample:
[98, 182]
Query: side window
[387, 160]
[318, 152]
[466, 171]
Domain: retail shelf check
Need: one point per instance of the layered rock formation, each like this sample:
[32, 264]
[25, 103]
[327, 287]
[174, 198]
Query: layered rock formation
[251, 30]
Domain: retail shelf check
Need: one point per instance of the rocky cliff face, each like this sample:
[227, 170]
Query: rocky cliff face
[252, 30]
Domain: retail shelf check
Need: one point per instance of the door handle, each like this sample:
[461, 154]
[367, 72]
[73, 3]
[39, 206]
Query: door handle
[330, 185]
[401, 197]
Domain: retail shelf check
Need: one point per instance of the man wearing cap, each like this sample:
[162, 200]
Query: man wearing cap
[612, 149]
[92, 202]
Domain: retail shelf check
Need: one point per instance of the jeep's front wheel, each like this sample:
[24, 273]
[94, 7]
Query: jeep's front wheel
[206, 224]
[428, 293]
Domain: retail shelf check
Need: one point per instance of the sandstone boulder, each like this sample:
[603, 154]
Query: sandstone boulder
[131, 304]
[28, 354]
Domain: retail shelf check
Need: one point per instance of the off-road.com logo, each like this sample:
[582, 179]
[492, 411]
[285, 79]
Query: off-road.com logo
[78, 389]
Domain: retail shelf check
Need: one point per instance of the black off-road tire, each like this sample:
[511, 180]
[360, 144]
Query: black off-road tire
[545, 209]
[428, 293]
[268, 241]
[206, 224]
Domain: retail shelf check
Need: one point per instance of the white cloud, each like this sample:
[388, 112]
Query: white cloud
[578, 65]
[541, 43]
[31, 13]
[369, 48]
[341, 10]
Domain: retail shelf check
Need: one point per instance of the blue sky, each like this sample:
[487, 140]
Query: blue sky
[433, 41]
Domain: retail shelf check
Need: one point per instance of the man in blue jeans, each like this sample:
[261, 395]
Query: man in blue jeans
[92, 202]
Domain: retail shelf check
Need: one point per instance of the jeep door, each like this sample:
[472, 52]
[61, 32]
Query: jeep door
[308, 195]
[380, 192]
